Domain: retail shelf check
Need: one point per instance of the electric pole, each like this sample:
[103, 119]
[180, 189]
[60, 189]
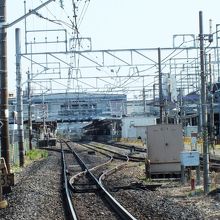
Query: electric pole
[19, 98]
[29, 111]
[211, 112]
[4, 112]
[4, 86]
[160, 87]
[204, 107]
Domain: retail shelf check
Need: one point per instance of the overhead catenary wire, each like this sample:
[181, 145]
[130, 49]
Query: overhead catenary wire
[78, 60]
[170, 56]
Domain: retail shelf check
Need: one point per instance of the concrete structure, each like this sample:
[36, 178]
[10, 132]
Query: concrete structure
[135, 126]
[103, 130]
[136, 107]
[72, 106]
[72, 130]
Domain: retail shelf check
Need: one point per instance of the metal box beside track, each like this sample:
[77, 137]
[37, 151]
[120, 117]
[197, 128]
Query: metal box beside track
[165, 142]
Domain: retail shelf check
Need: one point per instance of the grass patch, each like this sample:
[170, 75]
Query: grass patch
[196, 192]
[36, 154]
[30, 156]
[15, 168]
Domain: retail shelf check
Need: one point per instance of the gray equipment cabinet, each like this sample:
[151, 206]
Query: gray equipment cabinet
[165, 142]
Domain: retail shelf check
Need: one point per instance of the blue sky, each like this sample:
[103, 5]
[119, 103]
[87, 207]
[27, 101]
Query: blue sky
[117, 24]
[144, 23]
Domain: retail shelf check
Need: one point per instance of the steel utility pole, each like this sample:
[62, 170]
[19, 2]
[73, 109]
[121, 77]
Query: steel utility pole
[211, 112]
[29, 111]
[4, 86]
[4, 112]
[19, 98]
[160, 87]
[204, 107]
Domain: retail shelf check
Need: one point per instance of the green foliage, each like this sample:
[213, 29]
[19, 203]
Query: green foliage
[36, 154]
[196, 192]
[15, 168]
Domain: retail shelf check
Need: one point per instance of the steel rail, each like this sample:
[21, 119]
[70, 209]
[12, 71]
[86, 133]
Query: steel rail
[214, 163]
[71, 211]
[124, 146]
[113, 170]
[71, 181]
[116, 206]
[120, 156]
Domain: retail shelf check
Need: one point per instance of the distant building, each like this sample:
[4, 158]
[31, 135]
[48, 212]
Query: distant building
[136, 107]
[135, 127]
[72, 106]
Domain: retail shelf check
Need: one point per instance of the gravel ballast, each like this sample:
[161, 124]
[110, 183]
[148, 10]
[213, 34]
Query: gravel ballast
[37, 195]
[171, 201]
[37, 192]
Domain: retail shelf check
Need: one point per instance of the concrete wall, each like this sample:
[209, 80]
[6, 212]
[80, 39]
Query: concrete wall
[133, 127]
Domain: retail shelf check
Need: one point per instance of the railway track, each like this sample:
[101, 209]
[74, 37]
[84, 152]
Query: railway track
[126, 146]
[69, 208]
[116, 152]
[81, 183]
[86, 181]
[214, 163]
